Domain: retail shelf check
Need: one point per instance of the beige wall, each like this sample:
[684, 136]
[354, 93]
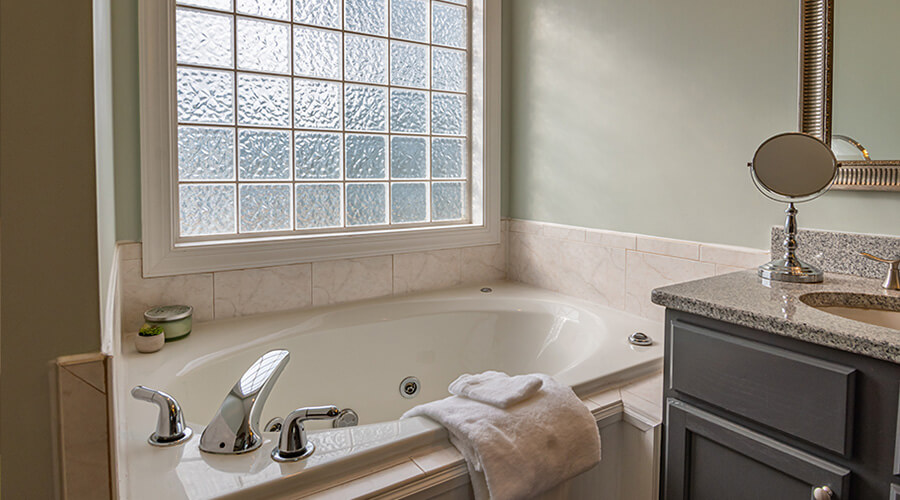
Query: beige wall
[642, 116]
[47, 197]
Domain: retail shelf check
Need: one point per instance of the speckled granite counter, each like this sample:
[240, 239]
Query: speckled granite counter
[743, 299]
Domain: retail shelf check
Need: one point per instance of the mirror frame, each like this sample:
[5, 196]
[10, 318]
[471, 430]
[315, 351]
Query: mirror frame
[816, 80]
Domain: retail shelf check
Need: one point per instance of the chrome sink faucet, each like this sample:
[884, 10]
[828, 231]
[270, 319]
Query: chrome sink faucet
[235, 427]
[892, 280]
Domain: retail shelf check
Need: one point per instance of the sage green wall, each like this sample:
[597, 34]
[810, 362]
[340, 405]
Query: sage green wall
[622, 115]
[641, 116]
[126, 116]
[50, 290]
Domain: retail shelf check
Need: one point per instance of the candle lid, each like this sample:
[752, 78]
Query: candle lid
[163, 314]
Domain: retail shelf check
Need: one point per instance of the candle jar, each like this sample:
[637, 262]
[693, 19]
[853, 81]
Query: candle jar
[176, 321]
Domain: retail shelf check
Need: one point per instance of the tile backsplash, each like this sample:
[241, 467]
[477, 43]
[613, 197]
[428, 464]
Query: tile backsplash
[611, 268]
[228, 294]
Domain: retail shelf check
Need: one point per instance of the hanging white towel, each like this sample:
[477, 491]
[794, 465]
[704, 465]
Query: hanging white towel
[522, 451]
[496, 388]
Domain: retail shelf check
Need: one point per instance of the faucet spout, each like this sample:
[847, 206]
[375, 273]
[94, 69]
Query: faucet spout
[235, 427]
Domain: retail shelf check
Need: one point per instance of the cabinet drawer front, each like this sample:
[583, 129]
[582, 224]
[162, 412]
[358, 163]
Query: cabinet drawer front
[711, 458]
[806, 397]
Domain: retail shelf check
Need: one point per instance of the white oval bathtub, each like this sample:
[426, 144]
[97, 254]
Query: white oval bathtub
[355, 356]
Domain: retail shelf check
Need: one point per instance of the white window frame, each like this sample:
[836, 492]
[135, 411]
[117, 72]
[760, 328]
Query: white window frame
[164, 255]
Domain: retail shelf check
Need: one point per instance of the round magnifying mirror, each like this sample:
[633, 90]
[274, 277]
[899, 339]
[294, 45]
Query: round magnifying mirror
[791, 168]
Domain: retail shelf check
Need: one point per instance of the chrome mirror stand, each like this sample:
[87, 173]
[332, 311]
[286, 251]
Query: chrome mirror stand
[789, 268]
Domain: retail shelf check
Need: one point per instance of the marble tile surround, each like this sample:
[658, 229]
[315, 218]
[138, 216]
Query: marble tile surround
[228, 294]
[612, 268]
[84, 458]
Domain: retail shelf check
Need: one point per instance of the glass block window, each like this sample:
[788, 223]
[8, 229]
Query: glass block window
[321, 115]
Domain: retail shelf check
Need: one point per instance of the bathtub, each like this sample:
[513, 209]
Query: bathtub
[355, 356]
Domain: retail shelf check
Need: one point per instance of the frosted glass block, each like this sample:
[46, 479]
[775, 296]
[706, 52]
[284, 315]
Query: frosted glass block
[448, 113]
[265, 207]
[461, 2]
[409, 65]
[366, 156]
[317, 52]
[409, 111]
[317, 104]
[325, 13]
[448, 25]
[206, 209]
[448, 158]
[205, 96]
[409, 20]
[365, 109]
[409, 202]
[275, 9]
[366, 204]
[263, 46]
[448, 69]
[365, 59]
[209, 4]
[264, 155]
[318, 205]
[205, 153]
[409, 157]
[264, 100]
[318, 155]
[203, 38]
[447, 200]
[366, 16]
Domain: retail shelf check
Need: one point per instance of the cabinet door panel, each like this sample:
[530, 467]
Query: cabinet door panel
[803, 396]
[710, 458]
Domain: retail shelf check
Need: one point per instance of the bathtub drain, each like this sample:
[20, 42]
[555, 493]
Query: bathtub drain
[409, 387]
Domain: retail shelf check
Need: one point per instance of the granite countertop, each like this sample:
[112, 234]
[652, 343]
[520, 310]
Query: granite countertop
[744, 299]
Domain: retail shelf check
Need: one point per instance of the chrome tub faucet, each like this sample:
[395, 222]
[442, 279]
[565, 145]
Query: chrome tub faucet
[170, 428]
[293, 444]
[235, 427]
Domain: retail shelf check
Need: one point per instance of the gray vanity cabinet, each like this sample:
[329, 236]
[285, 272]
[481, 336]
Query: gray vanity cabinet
[752, 415]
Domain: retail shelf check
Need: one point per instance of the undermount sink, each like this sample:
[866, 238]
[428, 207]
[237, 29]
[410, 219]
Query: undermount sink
[872, 309]
[878, 317]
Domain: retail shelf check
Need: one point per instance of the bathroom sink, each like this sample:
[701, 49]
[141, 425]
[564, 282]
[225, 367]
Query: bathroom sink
[878, 317]
[872, 309]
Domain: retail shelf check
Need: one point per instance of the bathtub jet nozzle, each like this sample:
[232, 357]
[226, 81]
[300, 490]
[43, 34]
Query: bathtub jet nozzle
[235, 427]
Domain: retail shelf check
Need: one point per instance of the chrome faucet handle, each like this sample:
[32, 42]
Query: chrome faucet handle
[892, 280]
[292, 443]
[170, 428]
[235, 427]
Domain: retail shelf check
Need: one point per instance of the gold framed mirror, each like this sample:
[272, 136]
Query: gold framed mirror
[860, 168]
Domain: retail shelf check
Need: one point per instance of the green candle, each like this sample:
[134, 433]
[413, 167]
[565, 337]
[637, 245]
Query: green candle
[176, 321]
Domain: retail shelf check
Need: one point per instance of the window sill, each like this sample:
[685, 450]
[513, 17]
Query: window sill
[162, 259]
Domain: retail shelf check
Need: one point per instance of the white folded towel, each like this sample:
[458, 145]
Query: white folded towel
[496, 388]
[523, 451]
